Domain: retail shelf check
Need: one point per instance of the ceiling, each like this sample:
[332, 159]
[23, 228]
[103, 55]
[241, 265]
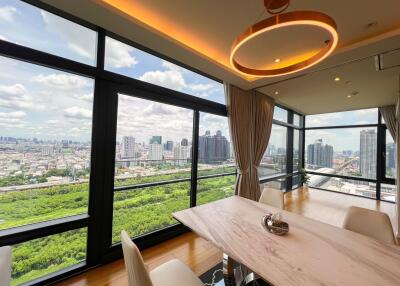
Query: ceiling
[200, 34]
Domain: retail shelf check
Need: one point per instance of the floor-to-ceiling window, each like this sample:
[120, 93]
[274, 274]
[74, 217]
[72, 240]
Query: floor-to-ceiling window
[281, 161]
[346, 152]
[98, 134]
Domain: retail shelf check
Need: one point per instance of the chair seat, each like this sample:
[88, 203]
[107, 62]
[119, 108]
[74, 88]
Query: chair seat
[174, 273]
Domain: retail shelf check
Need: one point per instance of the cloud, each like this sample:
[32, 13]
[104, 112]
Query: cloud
[62, 81]
[7, 13]
[85, 97]
[15, 96]
[171, 78]
[52, 121]
[76, 112]
[79, 39]
[118, 54]
[14, 114]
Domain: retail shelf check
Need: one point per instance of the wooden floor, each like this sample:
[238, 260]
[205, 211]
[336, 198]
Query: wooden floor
[200, 255]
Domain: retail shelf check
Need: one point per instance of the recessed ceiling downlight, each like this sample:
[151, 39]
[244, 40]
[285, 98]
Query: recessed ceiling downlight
[279, 21]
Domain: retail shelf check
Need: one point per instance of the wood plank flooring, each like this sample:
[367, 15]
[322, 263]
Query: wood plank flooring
[200, 255]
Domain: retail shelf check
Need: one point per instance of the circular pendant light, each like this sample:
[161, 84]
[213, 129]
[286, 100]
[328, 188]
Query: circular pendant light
[296, 18]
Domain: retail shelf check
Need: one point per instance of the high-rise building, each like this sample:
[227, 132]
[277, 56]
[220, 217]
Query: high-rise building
[128, 147]
[368, 153]
[319, 154]
[390, 156]
[214, 148]
[181, 154]
[169, 145]
[156, 140]
[47, 150]
[155, 152]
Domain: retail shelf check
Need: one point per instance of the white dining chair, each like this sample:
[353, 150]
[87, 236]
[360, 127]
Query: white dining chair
[5, 266]
[370, 223]
[171, 273]
[272, 197]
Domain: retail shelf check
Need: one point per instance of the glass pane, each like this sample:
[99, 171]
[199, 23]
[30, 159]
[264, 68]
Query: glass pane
[145, 210]
[346, 151]
[352, 186]
[274, 159]
[35, 28]
[390, 156]
[388, 192]
[36, 258]
[296, 119]
[215, 150]
[355, 117]
[296, 150]
[280, 114]
[296, 182]
[129, 61]
[209, 190]
[45, 142]
[153, 141]
[279, 184]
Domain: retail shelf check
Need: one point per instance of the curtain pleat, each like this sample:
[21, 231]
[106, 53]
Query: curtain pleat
[250, 122]
[389, 115]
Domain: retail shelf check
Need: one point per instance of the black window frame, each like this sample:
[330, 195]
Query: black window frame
[290, 127]
[380, 159]
[98, 219]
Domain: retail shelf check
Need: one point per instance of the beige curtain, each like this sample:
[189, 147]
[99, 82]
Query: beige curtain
[397, 140]
[250, 121]
[389, 115]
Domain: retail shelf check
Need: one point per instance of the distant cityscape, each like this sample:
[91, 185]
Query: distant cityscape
[322, 158]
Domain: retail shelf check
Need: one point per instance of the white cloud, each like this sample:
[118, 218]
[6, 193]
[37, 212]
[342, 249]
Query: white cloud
[62, 81]
[79, 39]
[14, 114]
[85, 97]
[118, 54]
[52, 121]
[171, 78]
[76, 112]
[15, 96]
[7, 13]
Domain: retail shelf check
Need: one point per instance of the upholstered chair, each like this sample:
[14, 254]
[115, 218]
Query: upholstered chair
[272, 197]
[171, 273]
[5, 266]
[371, 223]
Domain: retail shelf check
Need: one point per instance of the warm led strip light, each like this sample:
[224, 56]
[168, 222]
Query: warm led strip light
[308, 18]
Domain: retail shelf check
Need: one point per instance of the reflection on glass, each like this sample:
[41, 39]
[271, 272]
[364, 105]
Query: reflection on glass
[274, 159]
[45, 142]
[153, 142]
[388, 192]
[345, 151]
[26, 25]
[129, 61]
[215, 149]
[279, 184]
[296, 182]
[148, 209]
[296, 149]
[390, 156]
[352, 186]
[356, 117]
[209, 190]
[296, 119]
[280, 114]
[39, 257]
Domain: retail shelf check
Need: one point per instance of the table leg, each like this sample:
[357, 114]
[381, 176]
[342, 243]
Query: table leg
[228, 270]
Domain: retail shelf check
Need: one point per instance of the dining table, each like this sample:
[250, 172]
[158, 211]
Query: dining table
[311, 253]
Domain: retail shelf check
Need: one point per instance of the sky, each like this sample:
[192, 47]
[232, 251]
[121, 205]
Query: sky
[49, 104]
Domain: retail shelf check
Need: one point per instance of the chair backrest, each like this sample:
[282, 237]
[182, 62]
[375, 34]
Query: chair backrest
[272, 197]
[370, 223]
[5, 266]
[135, 267]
